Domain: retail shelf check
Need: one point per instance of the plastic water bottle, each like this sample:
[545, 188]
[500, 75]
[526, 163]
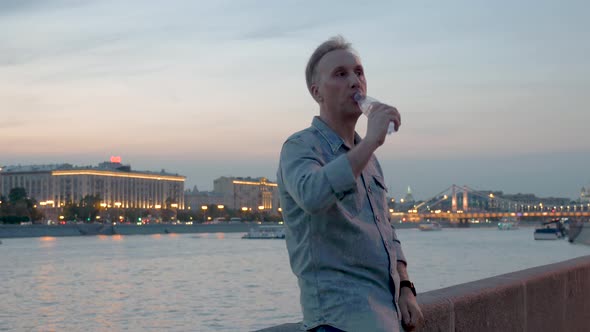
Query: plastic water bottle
[366, 105]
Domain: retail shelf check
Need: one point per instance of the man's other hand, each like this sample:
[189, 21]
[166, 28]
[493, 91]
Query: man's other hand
[411, 314]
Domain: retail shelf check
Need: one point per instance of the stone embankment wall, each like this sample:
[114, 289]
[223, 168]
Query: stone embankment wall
[14, 231]
[553, 297]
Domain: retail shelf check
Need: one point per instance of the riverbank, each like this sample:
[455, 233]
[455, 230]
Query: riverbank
[17, 231]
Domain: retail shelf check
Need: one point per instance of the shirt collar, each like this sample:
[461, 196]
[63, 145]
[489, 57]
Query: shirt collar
[330, 135]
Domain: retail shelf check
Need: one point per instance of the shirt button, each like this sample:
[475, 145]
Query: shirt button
[377, 218]
[369, 190]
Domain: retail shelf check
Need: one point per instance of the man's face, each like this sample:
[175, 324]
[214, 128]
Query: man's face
[340, 75]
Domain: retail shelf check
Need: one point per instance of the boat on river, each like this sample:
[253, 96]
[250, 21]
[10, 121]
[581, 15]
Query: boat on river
[430, 226]
[265, 232]
[507, 224]
[551, 230]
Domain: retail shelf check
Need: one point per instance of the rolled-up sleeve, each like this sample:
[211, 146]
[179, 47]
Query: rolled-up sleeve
[314, 184]
[398, 247]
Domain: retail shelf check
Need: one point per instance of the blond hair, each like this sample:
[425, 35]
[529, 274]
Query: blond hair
[332, 44]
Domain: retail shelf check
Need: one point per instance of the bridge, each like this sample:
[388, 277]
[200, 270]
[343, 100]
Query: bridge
[463, 204]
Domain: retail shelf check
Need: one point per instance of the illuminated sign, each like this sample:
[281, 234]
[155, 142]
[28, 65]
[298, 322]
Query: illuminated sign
[116, 159]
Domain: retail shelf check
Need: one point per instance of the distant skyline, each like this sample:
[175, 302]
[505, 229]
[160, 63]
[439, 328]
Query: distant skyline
[492, 95]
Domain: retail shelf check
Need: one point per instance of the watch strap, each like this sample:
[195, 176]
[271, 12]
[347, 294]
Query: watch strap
[409, 284]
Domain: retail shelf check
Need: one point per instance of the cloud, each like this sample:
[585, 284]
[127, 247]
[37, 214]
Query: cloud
[11, 124]
[190, 77]
[11, 7]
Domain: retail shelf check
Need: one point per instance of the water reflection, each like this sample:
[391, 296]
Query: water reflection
[108, 294]
[45, 291]
[216, 283]
[47, 241]
[117, 237]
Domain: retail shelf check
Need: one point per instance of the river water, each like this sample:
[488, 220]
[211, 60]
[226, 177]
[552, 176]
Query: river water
[216, 282]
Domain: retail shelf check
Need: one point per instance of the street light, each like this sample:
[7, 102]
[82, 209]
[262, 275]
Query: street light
[244, 211]
[204, 208]
[261, 209]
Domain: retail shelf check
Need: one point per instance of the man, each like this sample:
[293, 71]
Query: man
[342, 247]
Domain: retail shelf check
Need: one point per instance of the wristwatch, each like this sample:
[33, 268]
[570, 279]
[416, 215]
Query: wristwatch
[409, 284]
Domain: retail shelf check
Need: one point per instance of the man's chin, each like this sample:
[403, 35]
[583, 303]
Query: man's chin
[354, 111]
[353, 114]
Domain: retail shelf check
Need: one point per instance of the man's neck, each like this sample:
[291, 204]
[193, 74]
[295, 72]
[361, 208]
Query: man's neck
[344, 127]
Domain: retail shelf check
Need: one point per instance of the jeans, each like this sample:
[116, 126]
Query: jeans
[328, 328]
[325, 328]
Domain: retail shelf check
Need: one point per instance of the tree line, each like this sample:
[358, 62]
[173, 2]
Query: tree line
[18, 207]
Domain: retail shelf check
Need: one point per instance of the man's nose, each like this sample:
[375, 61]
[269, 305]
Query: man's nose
[354, 81]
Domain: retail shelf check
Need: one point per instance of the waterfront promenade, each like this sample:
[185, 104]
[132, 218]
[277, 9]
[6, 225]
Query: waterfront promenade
[554, 297]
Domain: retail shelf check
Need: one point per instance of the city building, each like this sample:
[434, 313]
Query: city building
[585, 195]
[248, 193]
[117, 185]
[409, 197]
[195, 199]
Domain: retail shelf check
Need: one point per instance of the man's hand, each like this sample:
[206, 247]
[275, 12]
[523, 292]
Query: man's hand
[379, 119]
[411, 314]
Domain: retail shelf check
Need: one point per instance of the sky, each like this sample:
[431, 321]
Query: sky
[493, 94]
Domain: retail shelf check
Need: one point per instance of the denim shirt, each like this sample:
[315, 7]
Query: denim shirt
[341, 245]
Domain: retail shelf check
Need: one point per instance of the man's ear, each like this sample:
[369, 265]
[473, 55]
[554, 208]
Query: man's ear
[315, 92]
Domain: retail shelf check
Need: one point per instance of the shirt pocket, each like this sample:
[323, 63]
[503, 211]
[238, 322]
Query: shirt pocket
[380, 194]
[351, 203]
[380, 182]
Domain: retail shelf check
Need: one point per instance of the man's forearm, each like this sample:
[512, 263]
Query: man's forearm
[359, 156]
[402, 271]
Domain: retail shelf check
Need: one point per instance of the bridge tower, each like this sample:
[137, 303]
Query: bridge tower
[465, 199]
[454, 199]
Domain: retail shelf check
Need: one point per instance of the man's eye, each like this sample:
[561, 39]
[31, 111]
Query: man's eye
[359, 72]
[340, 74]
